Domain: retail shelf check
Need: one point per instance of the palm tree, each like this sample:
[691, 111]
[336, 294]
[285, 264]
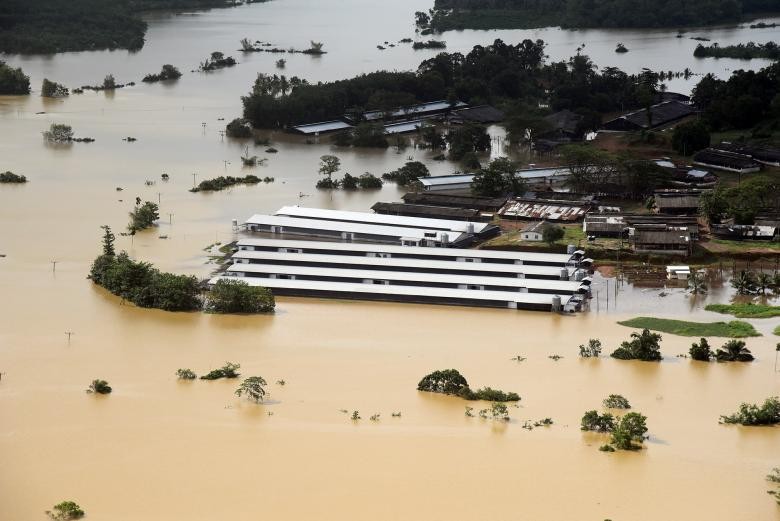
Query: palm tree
[763, 281]
[734, 351]
[744, 283]
[697, 284]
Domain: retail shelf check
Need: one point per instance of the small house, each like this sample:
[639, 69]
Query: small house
[534, 232]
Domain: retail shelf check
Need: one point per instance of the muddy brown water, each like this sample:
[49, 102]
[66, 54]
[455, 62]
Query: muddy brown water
[159, 449]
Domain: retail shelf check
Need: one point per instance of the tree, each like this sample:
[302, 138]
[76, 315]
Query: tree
[65, 511]
[696, 283]
[763, 281]
[593, 421]
[552, 233]
[407, 174]
[701, 351]
[734, 351]
[52, 89]
[469, 137]
[616, 401]
[253, 387]
[447, 381]
[58, 133]
[369, 135]
[644, 346]
[714, 205]
[143, 216]
[369, 182]
[186, 374]
[13, 81]
[499, 178]
[629, 431]
[744, 283]
[690, 137]
[108, 241]
[749, 414]
[329, 165]
[592, 350]
[229, 370]
[109, 82]
[238, 128]
[349, 182]
[99, 387]
[236, 296]
[316, 47]
[10, 177]
[246, 45]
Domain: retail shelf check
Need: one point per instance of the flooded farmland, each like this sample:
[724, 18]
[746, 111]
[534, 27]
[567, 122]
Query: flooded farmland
[162, 449]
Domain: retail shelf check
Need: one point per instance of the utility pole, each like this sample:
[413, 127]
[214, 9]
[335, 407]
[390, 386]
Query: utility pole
[226, 163]
[159, 200]
[194, 175]
[69, 333]
[170, 218]
[53, 266]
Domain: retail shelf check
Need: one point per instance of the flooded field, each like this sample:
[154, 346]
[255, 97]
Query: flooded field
[160, 449]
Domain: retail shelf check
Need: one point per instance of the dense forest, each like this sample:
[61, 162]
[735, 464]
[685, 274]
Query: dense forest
[513, 77]
[487, 14]
[49, 26]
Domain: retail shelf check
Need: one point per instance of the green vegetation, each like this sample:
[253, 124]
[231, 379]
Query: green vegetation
[49, 26]
[329, 165]
[363, 182]
[229, 370]
[776, 331]
[99, 387]
[143, 216]
[734, 351]
[65, 511]
[168, 72]
[222, 182]
[593, 421]
[742, 202]
[745, 310]
[525, 14]
[52, 89]
[774, 477]
[407, 175]
[451, 382]
[742, 51]
[10, 177]
[592, 350]
[552, 233]
[236, 296]
[238, 128]
[690, 137]
[12, 81]
[253, 387]
[430, 44]
[216, 60]
[749, 414]
[58, 133]
[616, 401]
[701, 351]
[369, 135]
[645, 346]
[186, 374]
[620, 48]
[733, 329]
[630, 432]
[497, 179]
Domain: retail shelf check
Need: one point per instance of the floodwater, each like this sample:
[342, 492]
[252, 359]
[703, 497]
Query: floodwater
[159, 449]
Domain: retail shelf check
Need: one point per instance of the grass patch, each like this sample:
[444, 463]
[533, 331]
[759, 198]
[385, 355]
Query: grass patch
[733, 329]
[746, 310]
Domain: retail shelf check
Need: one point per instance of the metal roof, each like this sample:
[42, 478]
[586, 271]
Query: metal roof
[382, 219]
[531, 173]
[528, 256]
[350, 227]
[512, 270]
[446, 179]
[422, 291]
[431, 106]
[323, 126]
[563, 286]
[543, 210]
[403, 126]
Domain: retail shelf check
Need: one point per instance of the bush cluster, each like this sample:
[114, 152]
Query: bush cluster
[10, 177]
[451, 382]
[645, 346]
[229, 370]
[168, 72]
[236, 296]
[13, 80]
[767, 413]
[222, 182]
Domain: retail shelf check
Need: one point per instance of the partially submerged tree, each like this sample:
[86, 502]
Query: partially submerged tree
[630, 431]
[645, 346]
[99, 387]
[447, 381]
[143, 216]
[109, 82]
[750, 414]
[592, 350]
[186, 374]
[616, 401]
[229, 370]
[236, 296]
[13, 81]
[329, 165]
[65, 511]
[701, 351]
[52, 89]
[593, 421]
[58, 133]
[253, 387]
[734, 351]
[10, 177]
[409, 173]
[238, 128]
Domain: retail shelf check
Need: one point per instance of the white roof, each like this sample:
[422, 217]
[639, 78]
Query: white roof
[564, 286]
[527, 256]
[532, 173]
[404, 126]
[446, 179]
[381, 219]
[422, 291]
[348, 227]
[323, 126]
[512, 270]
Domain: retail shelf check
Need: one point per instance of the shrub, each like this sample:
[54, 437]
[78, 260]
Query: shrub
[349, 182]
[644, 346]
[238, 128]
[592, 350]
[552, 233]
[253, 387]
[447, 381]
[143, 216]
[369, 135]
[52, 89]
[10, 177]
[616, 401]
[750, 414]
[593, 421]
[369, 182]
[327, 183]
[494, 395]
[13, 81]
[222, 182]
[168, 72]
[229, 370]
[734, 351]
[629, 431]
[65, 511]
[691, 137]
[186, 374]
[236, 296]
[99, 387]
[58, 133]
[499, 411]
[701, 351]
[408, 173]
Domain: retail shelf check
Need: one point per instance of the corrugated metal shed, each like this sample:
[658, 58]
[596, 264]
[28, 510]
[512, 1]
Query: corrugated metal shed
[322, 127]
[545, 210]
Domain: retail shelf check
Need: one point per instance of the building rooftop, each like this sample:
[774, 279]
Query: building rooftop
[541, 209]
[456, 201]
[661, 114]
[323, 126]
[422, 108]
[418, 210]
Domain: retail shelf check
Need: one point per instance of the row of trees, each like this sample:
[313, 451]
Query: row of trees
[755, 282]
[742, 202]
[732, 351]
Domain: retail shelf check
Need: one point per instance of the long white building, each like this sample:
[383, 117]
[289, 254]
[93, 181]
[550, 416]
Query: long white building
[425, 275]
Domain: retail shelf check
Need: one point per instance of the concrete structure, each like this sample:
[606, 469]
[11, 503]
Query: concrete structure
[525, 280]
[533, 232]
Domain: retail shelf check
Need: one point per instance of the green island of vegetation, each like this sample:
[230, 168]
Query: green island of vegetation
[51, 26]
[451, 382]
[65, 511]
[13, 80]
[147, 287]
[626, 433]
[733, 329]
[167, 73]
[745, 310]
[644, 346]
[526, 14]
[749, 414]
[222, 182]
[741, 51]
[11, 178]
[732, 351]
